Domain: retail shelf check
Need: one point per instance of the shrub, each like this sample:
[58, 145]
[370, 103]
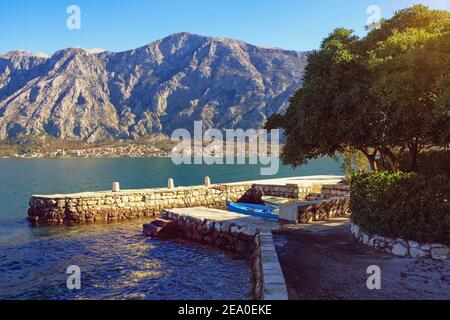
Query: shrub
[404, 205]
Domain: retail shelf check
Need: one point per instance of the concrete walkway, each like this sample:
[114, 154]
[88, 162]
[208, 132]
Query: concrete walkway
[324, 261]
[221, 216]
[303, 181]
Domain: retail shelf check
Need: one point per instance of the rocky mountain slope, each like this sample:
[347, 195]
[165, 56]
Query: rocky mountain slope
[78, 94]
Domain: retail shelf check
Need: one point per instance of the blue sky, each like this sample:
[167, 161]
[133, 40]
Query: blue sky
[117, 25]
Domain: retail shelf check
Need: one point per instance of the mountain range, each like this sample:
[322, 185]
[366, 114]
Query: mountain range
[92, 95]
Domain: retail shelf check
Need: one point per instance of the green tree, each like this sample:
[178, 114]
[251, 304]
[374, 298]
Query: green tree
[354, 161]
[408, 58]
[383, 95]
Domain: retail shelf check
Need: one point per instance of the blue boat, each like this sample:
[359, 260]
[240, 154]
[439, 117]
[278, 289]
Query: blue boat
[254, 210]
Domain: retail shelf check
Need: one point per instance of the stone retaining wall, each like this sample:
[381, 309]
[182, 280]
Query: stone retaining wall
[317, 210]
[324, 209]
[335, 190]
[251, 242]
[291, 191]
[401, 247]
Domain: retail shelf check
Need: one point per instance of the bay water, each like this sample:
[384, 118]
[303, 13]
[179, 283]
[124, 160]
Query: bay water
[116, 261]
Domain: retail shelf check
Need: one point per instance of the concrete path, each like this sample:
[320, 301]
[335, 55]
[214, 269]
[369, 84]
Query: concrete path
[217, 215]
[304, 181]
[324, 261]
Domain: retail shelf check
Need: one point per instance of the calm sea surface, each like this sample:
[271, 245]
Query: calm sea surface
[115, 260]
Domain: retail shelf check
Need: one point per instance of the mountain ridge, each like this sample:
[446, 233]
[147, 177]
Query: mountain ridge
[77, 94]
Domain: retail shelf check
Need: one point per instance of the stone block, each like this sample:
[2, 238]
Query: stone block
[273, 279]
[275, 292]
[365, 239]
[413, 244]
[440, 253]
[275, 297]
[399, 250]
[417, 253]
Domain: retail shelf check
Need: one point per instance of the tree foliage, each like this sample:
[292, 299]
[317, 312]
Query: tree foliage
[384, 94]
[353, 162]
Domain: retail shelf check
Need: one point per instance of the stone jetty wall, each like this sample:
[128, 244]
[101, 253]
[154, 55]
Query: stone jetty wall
[128, 204]
[221, 234]
[112, 206]
[268, 270]
[401, 247]
[239, 236]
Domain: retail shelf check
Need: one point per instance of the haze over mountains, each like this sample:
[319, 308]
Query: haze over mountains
[90, 95]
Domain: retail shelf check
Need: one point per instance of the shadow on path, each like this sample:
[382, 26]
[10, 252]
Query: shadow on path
[325, 262]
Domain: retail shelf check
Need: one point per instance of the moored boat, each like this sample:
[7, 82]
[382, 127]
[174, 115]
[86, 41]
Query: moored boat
[254, 210]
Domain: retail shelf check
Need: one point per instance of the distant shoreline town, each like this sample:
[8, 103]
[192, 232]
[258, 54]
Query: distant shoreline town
[142, 148]
[47, 147]
[119, 152]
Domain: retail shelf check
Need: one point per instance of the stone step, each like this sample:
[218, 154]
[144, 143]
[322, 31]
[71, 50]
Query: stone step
[161, 229]
[160, 222]
[151, 230]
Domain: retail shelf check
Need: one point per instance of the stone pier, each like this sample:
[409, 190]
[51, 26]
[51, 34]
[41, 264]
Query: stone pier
[127, 204]
[249, 236]
[195, 213]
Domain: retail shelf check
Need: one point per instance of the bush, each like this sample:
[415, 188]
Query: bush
[403, 205]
